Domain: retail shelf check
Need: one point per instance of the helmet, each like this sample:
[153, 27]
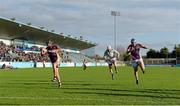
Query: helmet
[109, 47]
[132, 40]
[48, 42]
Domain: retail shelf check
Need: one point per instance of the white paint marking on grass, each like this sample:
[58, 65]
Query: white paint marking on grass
[28, 82]
[80, 99]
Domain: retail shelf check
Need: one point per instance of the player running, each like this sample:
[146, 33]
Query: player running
[137, 60]
[54, 53]
[110, 57]
[84, 65]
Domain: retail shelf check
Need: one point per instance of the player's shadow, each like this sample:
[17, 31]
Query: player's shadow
[161, 91]
[121, 94]
[153, 93]
[143, 90]
[86, 84]
[39, 84]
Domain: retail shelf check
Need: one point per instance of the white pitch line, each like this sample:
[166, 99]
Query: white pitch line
[35, 98]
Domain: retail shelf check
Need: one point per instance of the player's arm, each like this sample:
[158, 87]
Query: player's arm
[142, 46]
[128, 49]
[118, 55]
[43, 51]
[105, 56]
[57, 49]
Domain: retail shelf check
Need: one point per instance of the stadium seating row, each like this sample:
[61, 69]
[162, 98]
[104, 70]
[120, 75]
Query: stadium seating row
[12, 53]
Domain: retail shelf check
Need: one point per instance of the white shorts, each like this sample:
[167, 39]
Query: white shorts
[111, 61]
[136, 63]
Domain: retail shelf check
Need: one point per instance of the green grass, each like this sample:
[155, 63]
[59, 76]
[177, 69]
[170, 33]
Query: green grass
[159, 85]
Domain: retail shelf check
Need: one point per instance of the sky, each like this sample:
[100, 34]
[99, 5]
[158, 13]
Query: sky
[154, 23]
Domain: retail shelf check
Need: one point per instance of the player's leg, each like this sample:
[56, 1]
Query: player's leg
[54, 77]
[111, 71]
[53, 60]
[110, 68]
[142, 66]
[57, 70]
[115, 66]
[84, 67]
[136, 75]
[135, 67]
[57, 73]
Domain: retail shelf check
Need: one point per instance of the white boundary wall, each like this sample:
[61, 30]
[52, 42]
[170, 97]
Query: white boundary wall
[47, 64]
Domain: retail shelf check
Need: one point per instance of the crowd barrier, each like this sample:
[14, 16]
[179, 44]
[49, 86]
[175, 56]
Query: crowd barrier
[158, 65]
[46, 64]
[178, 65]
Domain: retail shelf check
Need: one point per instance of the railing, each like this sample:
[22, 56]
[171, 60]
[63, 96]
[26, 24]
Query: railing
[46, 64]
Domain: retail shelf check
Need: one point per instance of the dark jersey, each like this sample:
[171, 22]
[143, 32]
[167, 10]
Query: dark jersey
[84, 63]
[52, 54]
[135, 51]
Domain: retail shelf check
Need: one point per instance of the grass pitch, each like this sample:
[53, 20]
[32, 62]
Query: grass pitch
[159, 85]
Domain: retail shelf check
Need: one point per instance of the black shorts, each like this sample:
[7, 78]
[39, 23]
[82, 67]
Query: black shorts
[84, 65]
[53, 58]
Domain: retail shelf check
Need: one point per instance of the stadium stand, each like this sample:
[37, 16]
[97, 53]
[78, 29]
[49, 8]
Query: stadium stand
[79, 58]
[19, 34]
[12, 30]
[12, 53]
